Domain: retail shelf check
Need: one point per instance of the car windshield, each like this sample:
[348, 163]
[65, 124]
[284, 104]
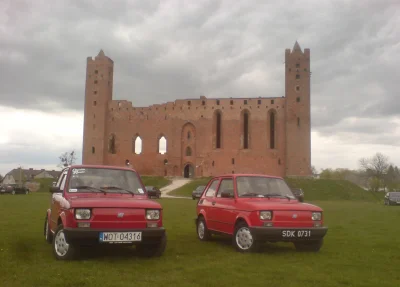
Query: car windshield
[200, 188]
[104, 180]
[394, 194]
[261, 186]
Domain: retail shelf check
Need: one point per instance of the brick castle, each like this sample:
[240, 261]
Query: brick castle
[204, 137]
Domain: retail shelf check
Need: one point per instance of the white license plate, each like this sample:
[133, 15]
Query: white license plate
[120, 236]
[296, 233]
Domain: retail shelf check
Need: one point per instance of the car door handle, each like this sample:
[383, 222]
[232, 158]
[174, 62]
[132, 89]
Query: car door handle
[213, 203]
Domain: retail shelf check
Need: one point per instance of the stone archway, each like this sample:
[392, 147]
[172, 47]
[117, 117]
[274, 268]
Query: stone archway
[188, 171]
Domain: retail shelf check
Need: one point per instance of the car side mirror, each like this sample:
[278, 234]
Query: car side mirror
[54, 189]
[227, 194]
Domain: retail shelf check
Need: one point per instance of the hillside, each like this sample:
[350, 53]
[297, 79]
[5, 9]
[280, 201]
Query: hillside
[332, 189]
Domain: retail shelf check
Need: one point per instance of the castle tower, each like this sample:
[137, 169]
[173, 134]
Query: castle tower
[298, 118]
[98, 94]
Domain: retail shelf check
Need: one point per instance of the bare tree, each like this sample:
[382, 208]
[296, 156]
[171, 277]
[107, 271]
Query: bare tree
[376, 166]
[67, 158]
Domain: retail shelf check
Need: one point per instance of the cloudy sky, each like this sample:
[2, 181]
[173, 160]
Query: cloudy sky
[165, 50]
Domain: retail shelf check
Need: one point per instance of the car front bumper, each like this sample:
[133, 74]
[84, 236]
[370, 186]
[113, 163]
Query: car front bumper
[288, 233]
[90, 236]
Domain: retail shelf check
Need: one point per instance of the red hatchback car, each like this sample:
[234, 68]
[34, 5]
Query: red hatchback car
[102, 205]
[253, 209]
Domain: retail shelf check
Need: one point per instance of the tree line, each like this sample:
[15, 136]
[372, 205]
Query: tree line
[375, 173]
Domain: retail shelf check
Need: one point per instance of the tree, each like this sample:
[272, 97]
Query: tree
[67, 158]
[375, 167]
[314, 171]
[1, 178]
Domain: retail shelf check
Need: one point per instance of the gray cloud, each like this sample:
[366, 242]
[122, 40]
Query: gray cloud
[163, 51]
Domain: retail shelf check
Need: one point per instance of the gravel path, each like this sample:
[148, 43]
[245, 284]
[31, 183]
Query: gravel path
[176, 183]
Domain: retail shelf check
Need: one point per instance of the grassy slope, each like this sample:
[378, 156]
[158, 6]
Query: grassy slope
[188, 188]
[157, 181]
[357, 252]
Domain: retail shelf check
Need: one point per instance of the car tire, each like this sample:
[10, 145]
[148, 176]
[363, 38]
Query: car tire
[47, 233]
[309, 246]
[194, 198]
[243, 240]
[202, 231]
[153, 250]
[61, 249]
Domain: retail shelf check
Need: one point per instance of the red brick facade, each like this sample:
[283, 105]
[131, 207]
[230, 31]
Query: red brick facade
[205, 137]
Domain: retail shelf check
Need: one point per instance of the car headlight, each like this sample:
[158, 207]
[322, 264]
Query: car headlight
[316, 216]
[82, 213]
[152, 214]
[266, 215]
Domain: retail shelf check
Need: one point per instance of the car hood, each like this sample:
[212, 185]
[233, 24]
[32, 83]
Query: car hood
[277, 204]
[124, 202]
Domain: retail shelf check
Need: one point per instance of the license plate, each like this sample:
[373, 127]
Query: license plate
[120, 236]
[296, 233]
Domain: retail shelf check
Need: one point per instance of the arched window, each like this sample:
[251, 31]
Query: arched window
[137, 145]
[246, 117]
[162, 145]
[272, 130]
[218, 130]
[188, 151]
[189, 135]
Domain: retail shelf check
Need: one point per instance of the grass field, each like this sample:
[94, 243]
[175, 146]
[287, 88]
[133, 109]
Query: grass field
[157, 181]
[361, 249]
[188, 188]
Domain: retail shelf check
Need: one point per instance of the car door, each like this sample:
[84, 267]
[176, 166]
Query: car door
[56, 200]
[223, 213]
[208, 203]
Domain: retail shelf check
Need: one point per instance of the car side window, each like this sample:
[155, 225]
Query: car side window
[226, 185]
[63, 182]
[212, 188]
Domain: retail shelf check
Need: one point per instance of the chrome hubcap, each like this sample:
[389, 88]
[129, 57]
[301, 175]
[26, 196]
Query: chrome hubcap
[200, 230]
[60, 244]
[243, 238]
[47, 229]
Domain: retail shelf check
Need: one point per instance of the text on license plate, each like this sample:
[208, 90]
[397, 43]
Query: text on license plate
[296, 233]
[120, 236]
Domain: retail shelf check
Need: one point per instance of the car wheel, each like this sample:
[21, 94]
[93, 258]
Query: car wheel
[243, 240]
[193, 197]
[62, 250]
[310, 246]
[47, 233]
[202, 231]
[153, 250]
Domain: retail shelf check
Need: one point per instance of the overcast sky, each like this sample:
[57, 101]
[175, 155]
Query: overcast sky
[166, 50]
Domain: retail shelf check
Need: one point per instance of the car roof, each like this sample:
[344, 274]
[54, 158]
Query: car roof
[101, 166]
[247, 175]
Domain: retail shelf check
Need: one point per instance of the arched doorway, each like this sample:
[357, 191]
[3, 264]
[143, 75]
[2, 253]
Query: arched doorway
[188, 171]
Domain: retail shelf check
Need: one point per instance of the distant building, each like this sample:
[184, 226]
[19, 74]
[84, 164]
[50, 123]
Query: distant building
[18, 175]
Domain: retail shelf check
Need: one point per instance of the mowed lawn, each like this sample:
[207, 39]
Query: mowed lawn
[362, 248]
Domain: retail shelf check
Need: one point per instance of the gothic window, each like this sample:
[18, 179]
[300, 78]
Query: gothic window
[188, 151]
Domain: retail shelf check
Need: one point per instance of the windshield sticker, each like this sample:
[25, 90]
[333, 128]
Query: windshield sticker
[73, 190]
[77, 171]
[140, 190]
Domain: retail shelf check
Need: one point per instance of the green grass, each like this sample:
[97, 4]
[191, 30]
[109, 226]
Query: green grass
[157, 181]
[45, 183]
[331, 189]
[361, 249]
[187, 189]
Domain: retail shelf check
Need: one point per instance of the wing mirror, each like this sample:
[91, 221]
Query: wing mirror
[54, 189]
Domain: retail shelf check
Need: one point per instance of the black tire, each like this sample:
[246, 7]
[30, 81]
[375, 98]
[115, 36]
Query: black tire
[309, 246]
[59, 241]
[242, 236]
[153, 250]
[201, 229]
[48, 236]
[194, 198]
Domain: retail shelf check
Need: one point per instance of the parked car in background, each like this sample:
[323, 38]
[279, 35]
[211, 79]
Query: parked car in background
[102, 205]
[392, 198]
[153, 191]
[298, 192]
[13, 189]
[197, 192]
[253, 209]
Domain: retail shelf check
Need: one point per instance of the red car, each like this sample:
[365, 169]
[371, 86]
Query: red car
[253, 209]
[102, 205]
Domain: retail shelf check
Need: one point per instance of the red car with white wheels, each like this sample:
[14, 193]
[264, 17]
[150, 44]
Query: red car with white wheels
[253, 209]
[102, 205]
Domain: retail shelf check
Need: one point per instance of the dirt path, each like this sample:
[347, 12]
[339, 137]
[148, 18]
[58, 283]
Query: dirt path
[176, 183]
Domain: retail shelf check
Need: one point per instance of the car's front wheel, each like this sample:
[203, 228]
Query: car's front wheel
[202, 231]
[153, 250]
[309, 246]
[243, 240]
[62, 250]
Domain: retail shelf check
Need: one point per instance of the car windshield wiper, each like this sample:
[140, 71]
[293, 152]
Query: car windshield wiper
[252, 194]
[90, 188]
[118, 188]
[280, 195]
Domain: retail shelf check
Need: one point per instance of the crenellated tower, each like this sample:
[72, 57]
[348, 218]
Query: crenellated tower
[298, 117]
[98, 94]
